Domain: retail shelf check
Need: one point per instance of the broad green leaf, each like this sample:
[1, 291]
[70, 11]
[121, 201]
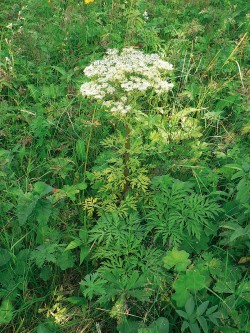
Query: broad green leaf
[42, 328]
[90, 176]
[70, 191]
[160, 325]
[42, 189]
[26, 204]
[81, 186]
[181, 296]
[129, 326]
[177, 259]
[46, 273]
[180, 285]
[227, 287]
[6, 311]
[21, 262]
[4, 257]
[65, 260]
[42, 211]
[195, 280]
[43, 253]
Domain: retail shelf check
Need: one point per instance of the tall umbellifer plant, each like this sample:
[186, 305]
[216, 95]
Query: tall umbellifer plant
[123, 82]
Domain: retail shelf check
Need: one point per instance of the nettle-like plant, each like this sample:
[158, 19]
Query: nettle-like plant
[128, 85]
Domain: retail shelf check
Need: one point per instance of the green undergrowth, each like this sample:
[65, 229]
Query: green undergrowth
[78, 252]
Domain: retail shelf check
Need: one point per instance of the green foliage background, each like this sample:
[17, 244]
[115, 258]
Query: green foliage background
[76, 255]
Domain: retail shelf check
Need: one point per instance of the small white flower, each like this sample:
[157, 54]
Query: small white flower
[145, 15]
[9, 26]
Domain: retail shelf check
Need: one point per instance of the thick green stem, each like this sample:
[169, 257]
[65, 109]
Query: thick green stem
[126, 158]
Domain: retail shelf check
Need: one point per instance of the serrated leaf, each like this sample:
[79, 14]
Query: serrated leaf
[160, 325]
[44, 252]
[42, 211]
[81, 186]
[26, 204]
[70, 191]
[224, 287]
[21, 263]
[42, 189]
[65, 260]
[177, 259]
[92, 285]
[46, 273]
[181, 296]
[195, 280]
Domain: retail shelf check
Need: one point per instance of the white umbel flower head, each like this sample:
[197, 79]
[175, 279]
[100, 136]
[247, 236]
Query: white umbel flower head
[119, 76]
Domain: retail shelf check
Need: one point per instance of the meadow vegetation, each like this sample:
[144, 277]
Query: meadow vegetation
[124, 208]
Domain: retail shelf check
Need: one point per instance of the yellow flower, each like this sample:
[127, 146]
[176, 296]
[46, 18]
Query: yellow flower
[88, 1]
